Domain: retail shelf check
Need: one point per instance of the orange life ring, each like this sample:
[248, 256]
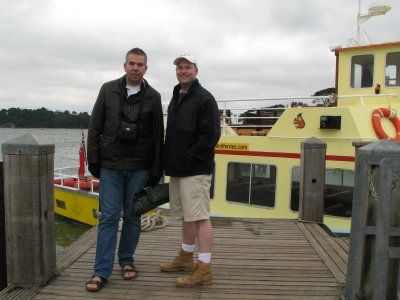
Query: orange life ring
[377, 115]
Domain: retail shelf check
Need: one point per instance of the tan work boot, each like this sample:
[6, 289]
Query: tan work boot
[183, 262]
[200, 276]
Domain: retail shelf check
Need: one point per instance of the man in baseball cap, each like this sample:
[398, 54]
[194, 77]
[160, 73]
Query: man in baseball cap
[193, 130]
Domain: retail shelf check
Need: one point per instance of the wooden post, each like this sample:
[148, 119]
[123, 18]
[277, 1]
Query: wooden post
[30, 231]
[3, 261]
[312, 180]
[358, 145]
[373, 268]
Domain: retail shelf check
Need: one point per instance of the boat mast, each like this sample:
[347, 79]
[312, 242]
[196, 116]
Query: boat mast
[376, 8]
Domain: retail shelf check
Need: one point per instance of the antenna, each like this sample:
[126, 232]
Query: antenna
[376, 8]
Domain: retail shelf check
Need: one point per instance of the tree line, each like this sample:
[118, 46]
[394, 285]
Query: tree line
[42, 118]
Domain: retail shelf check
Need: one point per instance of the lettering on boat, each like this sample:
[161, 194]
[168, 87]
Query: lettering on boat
[232, 146]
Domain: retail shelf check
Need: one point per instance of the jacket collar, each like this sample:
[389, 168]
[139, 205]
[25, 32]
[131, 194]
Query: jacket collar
[193, 87]
[120, 87]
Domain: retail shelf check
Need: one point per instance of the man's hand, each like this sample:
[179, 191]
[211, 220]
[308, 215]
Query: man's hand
[94, 169]
[153, 180]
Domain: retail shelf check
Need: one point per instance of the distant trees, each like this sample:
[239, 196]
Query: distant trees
[327, 101]
[325, 92]
[42, 118]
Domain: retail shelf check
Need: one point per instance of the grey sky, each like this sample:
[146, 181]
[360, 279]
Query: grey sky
[57, 53]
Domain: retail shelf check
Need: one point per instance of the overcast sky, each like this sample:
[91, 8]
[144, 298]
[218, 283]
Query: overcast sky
[57, 53]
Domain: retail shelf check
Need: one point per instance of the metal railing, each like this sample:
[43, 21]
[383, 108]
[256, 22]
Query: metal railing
[59, 173]
[265, 116]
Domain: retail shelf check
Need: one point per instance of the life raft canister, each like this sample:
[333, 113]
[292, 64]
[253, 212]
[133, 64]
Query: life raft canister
[377, 115]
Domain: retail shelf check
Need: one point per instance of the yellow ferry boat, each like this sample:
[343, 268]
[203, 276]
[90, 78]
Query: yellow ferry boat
[257, 162]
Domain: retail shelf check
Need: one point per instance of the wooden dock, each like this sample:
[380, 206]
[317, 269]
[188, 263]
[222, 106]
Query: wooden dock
[252, 259]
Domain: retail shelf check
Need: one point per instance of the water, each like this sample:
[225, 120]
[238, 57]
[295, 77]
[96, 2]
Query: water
[67, 143]
[67, 232]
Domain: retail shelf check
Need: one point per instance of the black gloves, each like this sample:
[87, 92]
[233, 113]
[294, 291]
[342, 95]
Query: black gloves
[94, 169]
[153, 180]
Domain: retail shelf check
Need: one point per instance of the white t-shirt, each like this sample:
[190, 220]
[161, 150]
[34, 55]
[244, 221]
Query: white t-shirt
[132, 90]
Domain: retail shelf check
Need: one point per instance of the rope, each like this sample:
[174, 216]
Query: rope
[393, 113]
[153, 221]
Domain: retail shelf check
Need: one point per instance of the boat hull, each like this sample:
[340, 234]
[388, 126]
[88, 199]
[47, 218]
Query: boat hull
[78, 205]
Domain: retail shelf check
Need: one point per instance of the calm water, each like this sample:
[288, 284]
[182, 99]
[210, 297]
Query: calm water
[67, 143]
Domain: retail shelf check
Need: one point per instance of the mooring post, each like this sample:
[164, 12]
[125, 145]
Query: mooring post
[358, 145]
[373, 267]
[312, 180]
[3, 261]
[29, 210]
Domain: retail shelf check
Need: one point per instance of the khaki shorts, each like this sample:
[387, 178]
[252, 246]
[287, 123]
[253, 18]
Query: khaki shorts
[189, 197]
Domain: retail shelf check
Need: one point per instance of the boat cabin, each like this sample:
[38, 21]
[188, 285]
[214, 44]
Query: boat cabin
[258, 157]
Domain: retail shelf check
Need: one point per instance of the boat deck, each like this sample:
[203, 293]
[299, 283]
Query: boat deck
[252, 259]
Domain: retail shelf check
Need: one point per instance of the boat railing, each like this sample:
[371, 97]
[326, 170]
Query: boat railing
[264, 112]
[362, 97]
[62, 178]
[66, 170]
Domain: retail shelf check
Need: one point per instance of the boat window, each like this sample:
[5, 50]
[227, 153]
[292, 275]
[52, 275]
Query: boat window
[362, 71]
[338, 192]
[392, 70]
[252, 184]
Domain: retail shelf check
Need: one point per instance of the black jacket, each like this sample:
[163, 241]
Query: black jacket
[193, 130]
[104, 148]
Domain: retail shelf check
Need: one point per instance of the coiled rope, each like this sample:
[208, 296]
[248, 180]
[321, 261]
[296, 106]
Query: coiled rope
[153, 221]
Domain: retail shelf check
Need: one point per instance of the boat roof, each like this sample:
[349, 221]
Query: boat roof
[370, 46]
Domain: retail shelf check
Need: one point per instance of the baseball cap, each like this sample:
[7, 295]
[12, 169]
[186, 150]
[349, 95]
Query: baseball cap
[188, 57]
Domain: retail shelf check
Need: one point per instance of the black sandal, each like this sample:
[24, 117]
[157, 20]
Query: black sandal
[132, 269]
[99, 284]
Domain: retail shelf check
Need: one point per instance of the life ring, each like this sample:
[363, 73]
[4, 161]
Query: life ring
[377, 114]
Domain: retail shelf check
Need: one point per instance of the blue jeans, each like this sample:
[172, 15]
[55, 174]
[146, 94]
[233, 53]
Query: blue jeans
[117, 190]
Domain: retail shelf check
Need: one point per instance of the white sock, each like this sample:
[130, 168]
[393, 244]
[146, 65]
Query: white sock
[187, 248]
[205, 257]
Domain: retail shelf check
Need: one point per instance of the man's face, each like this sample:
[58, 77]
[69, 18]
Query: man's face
[186, 72]
[135, 68]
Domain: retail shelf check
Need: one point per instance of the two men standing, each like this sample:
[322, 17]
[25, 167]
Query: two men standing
[125, 166]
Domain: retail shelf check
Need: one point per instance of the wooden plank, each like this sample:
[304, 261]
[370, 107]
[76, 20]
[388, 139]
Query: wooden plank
[251, 259]
[64, 259]
[71, 253]
[339, 254]
[19, 293]
[318, 240]
[344, 243]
